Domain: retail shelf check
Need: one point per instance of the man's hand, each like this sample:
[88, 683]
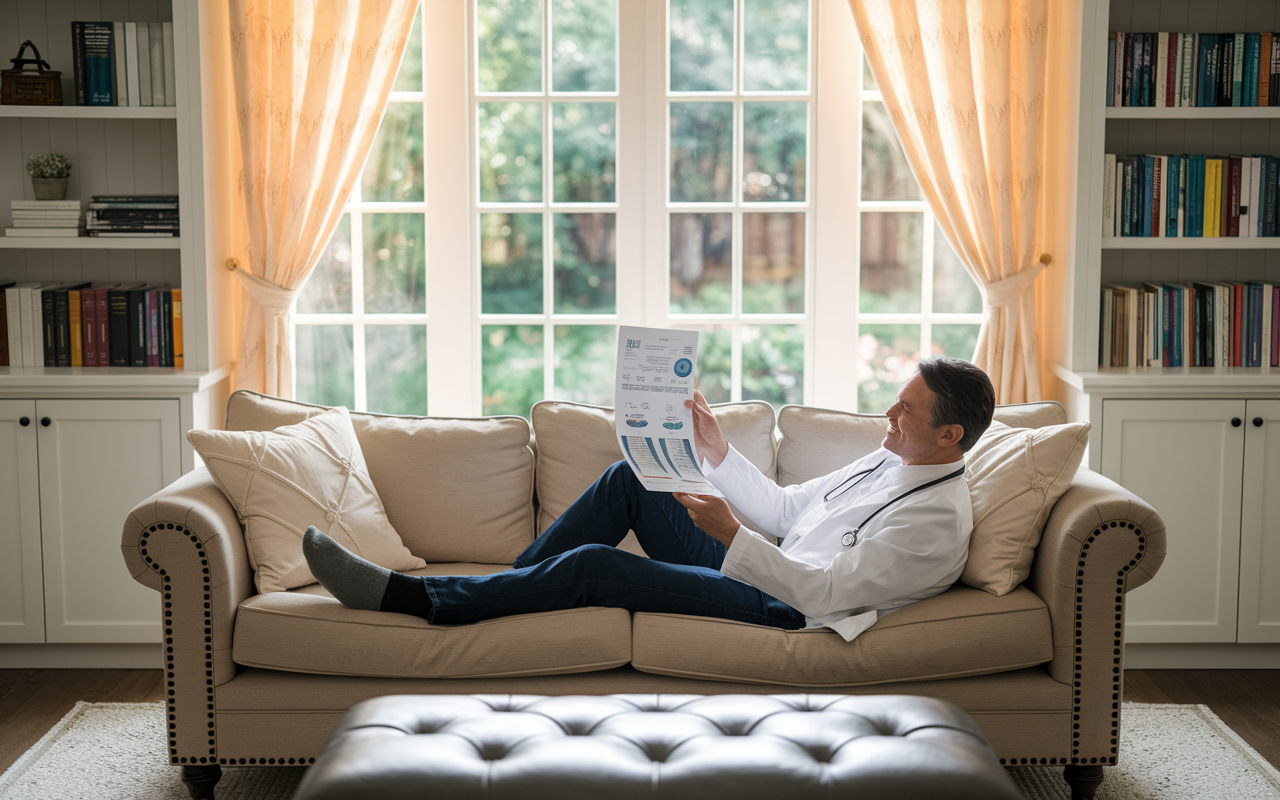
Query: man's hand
[706, 432]
[711, 514]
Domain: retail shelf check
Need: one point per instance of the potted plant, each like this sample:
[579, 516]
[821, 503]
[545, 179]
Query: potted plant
[49, 175]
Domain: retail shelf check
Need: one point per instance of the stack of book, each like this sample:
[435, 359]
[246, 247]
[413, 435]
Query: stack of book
[90, 325]
[1170, 70]
[44, 218]
[144, 215]
[123, 63]
[1196, 196]
[1190, 325]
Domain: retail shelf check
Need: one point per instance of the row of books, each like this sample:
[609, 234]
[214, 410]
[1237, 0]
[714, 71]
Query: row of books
[44, 218]
[90, 325]
[133, 215]
[1193, 196]
[1190, 325]
[1178, 70]
[123, 63]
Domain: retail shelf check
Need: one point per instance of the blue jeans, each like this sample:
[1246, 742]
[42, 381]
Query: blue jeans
[576, 563]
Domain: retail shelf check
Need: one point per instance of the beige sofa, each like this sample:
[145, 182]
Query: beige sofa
[263, 678]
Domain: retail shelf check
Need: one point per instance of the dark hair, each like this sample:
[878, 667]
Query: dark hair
[963, 396]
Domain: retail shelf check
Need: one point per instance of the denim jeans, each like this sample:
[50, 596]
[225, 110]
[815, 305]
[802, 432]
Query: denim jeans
[576, 563]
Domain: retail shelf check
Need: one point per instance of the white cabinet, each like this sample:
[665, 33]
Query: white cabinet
[1207, 466]
[84, 464]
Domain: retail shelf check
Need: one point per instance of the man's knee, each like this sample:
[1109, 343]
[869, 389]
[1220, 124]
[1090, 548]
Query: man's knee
[592, 560]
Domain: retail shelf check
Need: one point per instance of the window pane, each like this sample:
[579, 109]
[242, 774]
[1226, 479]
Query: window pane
[509, 41]
[701, 152]
[776, 45]
[885, 172]
[585, 146]
[773, 363]
[701, 263]
[868, 79]
[395, 264]
[584, 38]
[892, 243]
[326, 371]
[957, 341]
[887, 356]
[328, 288]
[511, 361]
[773, 263]
[714, 374]
[510, 152]
[701, 45]
[396, 368]
[585, 359]
[511, 263]
[586, 264]
[775, 137]
[409, 78]
[394, 169]
[954, 291]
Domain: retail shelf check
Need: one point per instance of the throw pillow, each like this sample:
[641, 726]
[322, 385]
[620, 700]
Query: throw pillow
[1015, 476]
[281, 481]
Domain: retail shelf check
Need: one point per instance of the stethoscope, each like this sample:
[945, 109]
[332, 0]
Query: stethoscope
[851, 537]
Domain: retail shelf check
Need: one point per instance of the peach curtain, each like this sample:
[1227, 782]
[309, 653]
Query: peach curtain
[310, 84]
[964, 83]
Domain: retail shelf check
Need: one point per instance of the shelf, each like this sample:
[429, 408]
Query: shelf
[1174, 381]
[90, 243]
[1190, 243]
[97, 381]
[91, 112]
[1217, 112]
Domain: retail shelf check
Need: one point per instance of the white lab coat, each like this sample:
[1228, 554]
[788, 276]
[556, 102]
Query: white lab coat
[915, 548]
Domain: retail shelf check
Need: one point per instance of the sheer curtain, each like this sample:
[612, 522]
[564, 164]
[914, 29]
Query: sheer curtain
[310, 84]
[964, 83]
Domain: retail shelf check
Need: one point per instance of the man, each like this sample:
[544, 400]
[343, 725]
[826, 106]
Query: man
[888, 530]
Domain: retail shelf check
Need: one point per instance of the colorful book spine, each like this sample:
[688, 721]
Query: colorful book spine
[177, 329]
[88, 328]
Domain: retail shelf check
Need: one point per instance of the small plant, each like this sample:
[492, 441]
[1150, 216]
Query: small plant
[50, 165]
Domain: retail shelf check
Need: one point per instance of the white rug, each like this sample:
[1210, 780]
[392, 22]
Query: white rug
[106, 751]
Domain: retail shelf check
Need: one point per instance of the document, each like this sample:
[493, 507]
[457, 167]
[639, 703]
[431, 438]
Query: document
[655, 430]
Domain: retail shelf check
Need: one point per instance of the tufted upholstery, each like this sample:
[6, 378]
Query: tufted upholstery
[622, 746]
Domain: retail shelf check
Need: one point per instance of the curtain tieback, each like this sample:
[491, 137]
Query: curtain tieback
[1007, 291]
[275, 303]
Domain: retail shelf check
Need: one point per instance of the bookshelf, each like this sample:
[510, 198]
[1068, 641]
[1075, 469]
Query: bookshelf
[1201, 444]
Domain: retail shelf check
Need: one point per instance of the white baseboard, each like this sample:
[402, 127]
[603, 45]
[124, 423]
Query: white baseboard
[1202, 656]
[81, 656]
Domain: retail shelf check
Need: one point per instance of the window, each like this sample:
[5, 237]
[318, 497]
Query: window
[550, 169]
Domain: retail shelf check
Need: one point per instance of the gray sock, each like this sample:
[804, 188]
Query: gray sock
[356, 583]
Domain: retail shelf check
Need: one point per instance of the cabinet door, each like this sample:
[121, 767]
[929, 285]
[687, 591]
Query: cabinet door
[1260, 524]
[98, 459]
[1183, 457]
[21, 582]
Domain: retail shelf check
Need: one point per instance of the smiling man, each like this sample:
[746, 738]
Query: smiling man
[885, 531]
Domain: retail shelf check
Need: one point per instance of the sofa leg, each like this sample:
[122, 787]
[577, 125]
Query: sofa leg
[1083, 780]
[201, 780]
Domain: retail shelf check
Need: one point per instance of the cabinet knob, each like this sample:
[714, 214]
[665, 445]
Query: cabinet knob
[45, 421]
[25, 421]
[1236, 422]
[1257, 422]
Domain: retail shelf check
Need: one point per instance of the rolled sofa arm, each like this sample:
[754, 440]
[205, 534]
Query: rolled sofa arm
[186, 542]
[1101, 541]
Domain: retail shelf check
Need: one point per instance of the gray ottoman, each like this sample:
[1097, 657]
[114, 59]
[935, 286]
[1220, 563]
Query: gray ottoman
[624, 746]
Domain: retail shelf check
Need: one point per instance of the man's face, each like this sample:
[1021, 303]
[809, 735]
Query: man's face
[911, 435]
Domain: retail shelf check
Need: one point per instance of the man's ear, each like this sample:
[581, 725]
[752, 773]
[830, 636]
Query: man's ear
[950, 435]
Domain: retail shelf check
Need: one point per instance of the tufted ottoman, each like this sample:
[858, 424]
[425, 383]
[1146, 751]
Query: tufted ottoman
[623, 746]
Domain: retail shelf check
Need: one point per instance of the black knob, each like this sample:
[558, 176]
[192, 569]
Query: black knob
[45, 421]
[1257, 422]
[25, 421]
[1236, 422]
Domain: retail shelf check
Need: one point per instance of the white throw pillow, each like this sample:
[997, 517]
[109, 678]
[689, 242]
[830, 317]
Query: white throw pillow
[1015, 476]
[281, 481]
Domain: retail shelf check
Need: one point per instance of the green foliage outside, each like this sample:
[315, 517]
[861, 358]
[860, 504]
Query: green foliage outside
[396, 369]
[395, 264]
[509, 37]
[326, 372]
[585, 264]
[775, 137]
[510, 152]
[773, 364]
[887, 356]
[511, 361]
[511, 263]
[583, 45]
[775, 46]
[701, 45]
[585, 141]
[586, 357]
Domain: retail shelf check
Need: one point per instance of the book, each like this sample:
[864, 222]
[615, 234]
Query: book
[96, 43]
[1111, 68]
[1232, 216]
[104, 326]
[156, 42]
[166, 327]
[1161, 68]
[131, 63]
[144, 64]
[88, 329]
[177, 328]
[134, 234]
[170, 72]
[77, 62]
[44, 205]
[75, 328]
[62, 328]
[120, 82]
[30, 324]
[139, 326]
[1109, 195]
[60, 232]
[1148, 44]
[151, 301]
[118, 325]
[4, 323]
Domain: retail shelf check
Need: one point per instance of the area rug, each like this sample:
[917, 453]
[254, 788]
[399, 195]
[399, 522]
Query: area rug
[110, 750]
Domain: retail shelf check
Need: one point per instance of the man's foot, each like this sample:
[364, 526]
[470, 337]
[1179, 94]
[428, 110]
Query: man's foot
[356, 583]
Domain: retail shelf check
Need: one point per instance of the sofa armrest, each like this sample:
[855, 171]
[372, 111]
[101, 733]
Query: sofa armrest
[186, 542]
[1101, 541]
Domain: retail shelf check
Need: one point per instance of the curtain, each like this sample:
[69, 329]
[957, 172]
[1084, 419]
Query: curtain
[310, 84]
[964, 83]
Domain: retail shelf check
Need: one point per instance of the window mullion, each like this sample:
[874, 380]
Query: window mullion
[926, 287]
[357, 305]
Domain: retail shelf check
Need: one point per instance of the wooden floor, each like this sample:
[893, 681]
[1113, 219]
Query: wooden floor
[33, 700]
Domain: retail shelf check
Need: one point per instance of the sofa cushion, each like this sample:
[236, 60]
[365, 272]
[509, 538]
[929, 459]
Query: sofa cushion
[577, 442]
[310, 473]
[455, 489]
[309, 631]
[962, 631]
